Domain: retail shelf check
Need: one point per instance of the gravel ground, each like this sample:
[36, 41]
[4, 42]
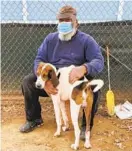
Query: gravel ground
[108, 134]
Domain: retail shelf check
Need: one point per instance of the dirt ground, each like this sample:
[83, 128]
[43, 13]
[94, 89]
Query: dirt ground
[108, 134]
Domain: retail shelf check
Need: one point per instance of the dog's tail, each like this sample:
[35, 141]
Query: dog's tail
[98, 84]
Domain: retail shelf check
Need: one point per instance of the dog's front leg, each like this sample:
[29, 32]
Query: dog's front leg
[64, 116]
[74, 115]
[56, 103]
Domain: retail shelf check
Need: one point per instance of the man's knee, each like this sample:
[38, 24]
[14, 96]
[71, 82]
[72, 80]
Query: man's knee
[28, 80]
[28, 83]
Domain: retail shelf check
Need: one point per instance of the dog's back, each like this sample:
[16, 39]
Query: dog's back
[65, 88]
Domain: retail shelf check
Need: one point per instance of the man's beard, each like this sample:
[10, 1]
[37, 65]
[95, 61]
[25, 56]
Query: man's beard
[67, 37]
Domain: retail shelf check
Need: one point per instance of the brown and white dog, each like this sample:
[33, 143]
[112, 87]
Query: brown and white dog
[79, 94]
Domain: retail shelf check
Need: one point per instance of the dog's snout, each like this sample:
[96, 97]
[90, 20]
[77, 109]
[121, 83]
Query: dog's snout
[38, 85]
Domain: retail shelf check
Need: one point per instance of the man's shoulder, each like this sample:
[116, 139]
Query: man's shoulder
[84, 36]
[52, 36]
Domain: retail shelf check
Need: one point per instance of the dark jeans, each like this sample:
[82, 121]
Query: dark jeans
[32, 104]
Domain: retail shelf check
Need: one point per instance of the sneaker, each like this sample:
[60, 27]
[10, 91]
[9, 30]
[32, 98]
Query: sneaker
[82, 134]
[31, 125]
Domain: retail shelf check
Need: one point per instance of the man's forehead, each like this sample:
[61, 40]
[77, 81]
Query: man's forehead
[66, 15]
[65, 19]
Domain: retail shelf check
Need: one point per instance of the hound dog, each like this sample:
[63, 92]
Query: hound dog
[79, 94]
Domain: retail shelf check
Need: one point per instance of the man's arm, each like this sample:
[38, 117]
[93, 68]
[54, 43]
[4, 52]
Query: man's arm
[94, 62]
[94, 59]
[41, 54]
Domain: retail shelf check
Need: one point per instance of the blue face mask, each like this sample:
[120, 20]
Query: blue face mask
[65, 27]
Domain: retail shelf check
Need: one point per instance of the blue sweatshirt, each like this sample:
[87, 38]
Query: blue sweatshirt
[81, 49]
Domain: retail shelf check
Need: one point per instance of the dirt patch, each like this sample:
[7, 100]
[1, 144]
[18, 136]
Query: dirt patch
[108, 134]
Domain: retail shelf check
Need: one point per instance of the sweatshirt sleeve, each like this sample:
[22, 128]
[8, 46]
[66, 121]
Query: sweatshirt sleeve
[94, 59]
[41, 54]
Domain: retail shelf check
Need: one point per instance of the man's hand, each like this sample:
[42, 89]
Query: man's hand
[77, 73]
[49, 88]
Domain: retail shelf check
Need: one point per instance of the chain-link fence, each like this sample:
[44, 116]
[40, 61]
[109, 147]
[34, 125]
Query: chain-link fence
[26, 23]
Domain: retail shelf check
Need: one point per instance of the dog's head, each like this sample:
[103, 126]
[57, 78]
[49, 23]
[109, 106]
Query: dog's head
[46, 71]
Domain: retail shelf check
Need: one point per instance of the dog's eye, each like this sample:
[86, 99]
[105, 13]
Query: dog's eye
[44, 76]
[49, 74]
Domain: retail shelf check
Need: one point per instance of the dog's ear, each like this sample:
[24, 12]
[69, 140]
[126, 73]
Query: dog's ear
[40, 65]
[54, 78]
[49, 68]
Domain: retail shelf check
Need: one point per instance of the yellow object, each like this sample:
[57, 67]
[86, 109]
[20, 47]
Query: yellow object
[110, 99]
[110, 102]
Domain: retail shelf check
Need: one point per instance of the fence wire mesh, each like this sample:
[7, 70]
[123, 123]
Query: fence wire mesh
[26, 23]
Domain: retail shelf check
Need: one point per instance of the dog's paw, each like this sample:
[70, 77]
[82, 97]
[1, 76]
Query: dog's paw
[87, 145]
[56, 134]
[74, 146]
[64, 128]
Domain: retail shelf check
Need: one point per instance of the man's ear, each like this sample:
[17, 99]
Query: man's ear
[77, 24]
[40, 65]
[54, 78]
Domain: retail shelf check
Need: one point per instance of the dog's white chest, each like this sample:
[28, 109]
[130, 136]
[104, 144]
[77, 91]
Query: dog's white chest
[64, 86]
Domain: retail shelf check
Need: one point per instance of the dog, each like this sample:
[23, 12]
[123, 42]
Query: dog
[79, 93]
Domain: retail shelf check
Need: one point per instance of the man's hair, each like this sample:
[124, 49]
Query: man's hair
[68, 9]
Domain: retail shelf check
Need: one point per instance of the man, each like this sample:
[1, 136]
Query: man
[63, 48]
